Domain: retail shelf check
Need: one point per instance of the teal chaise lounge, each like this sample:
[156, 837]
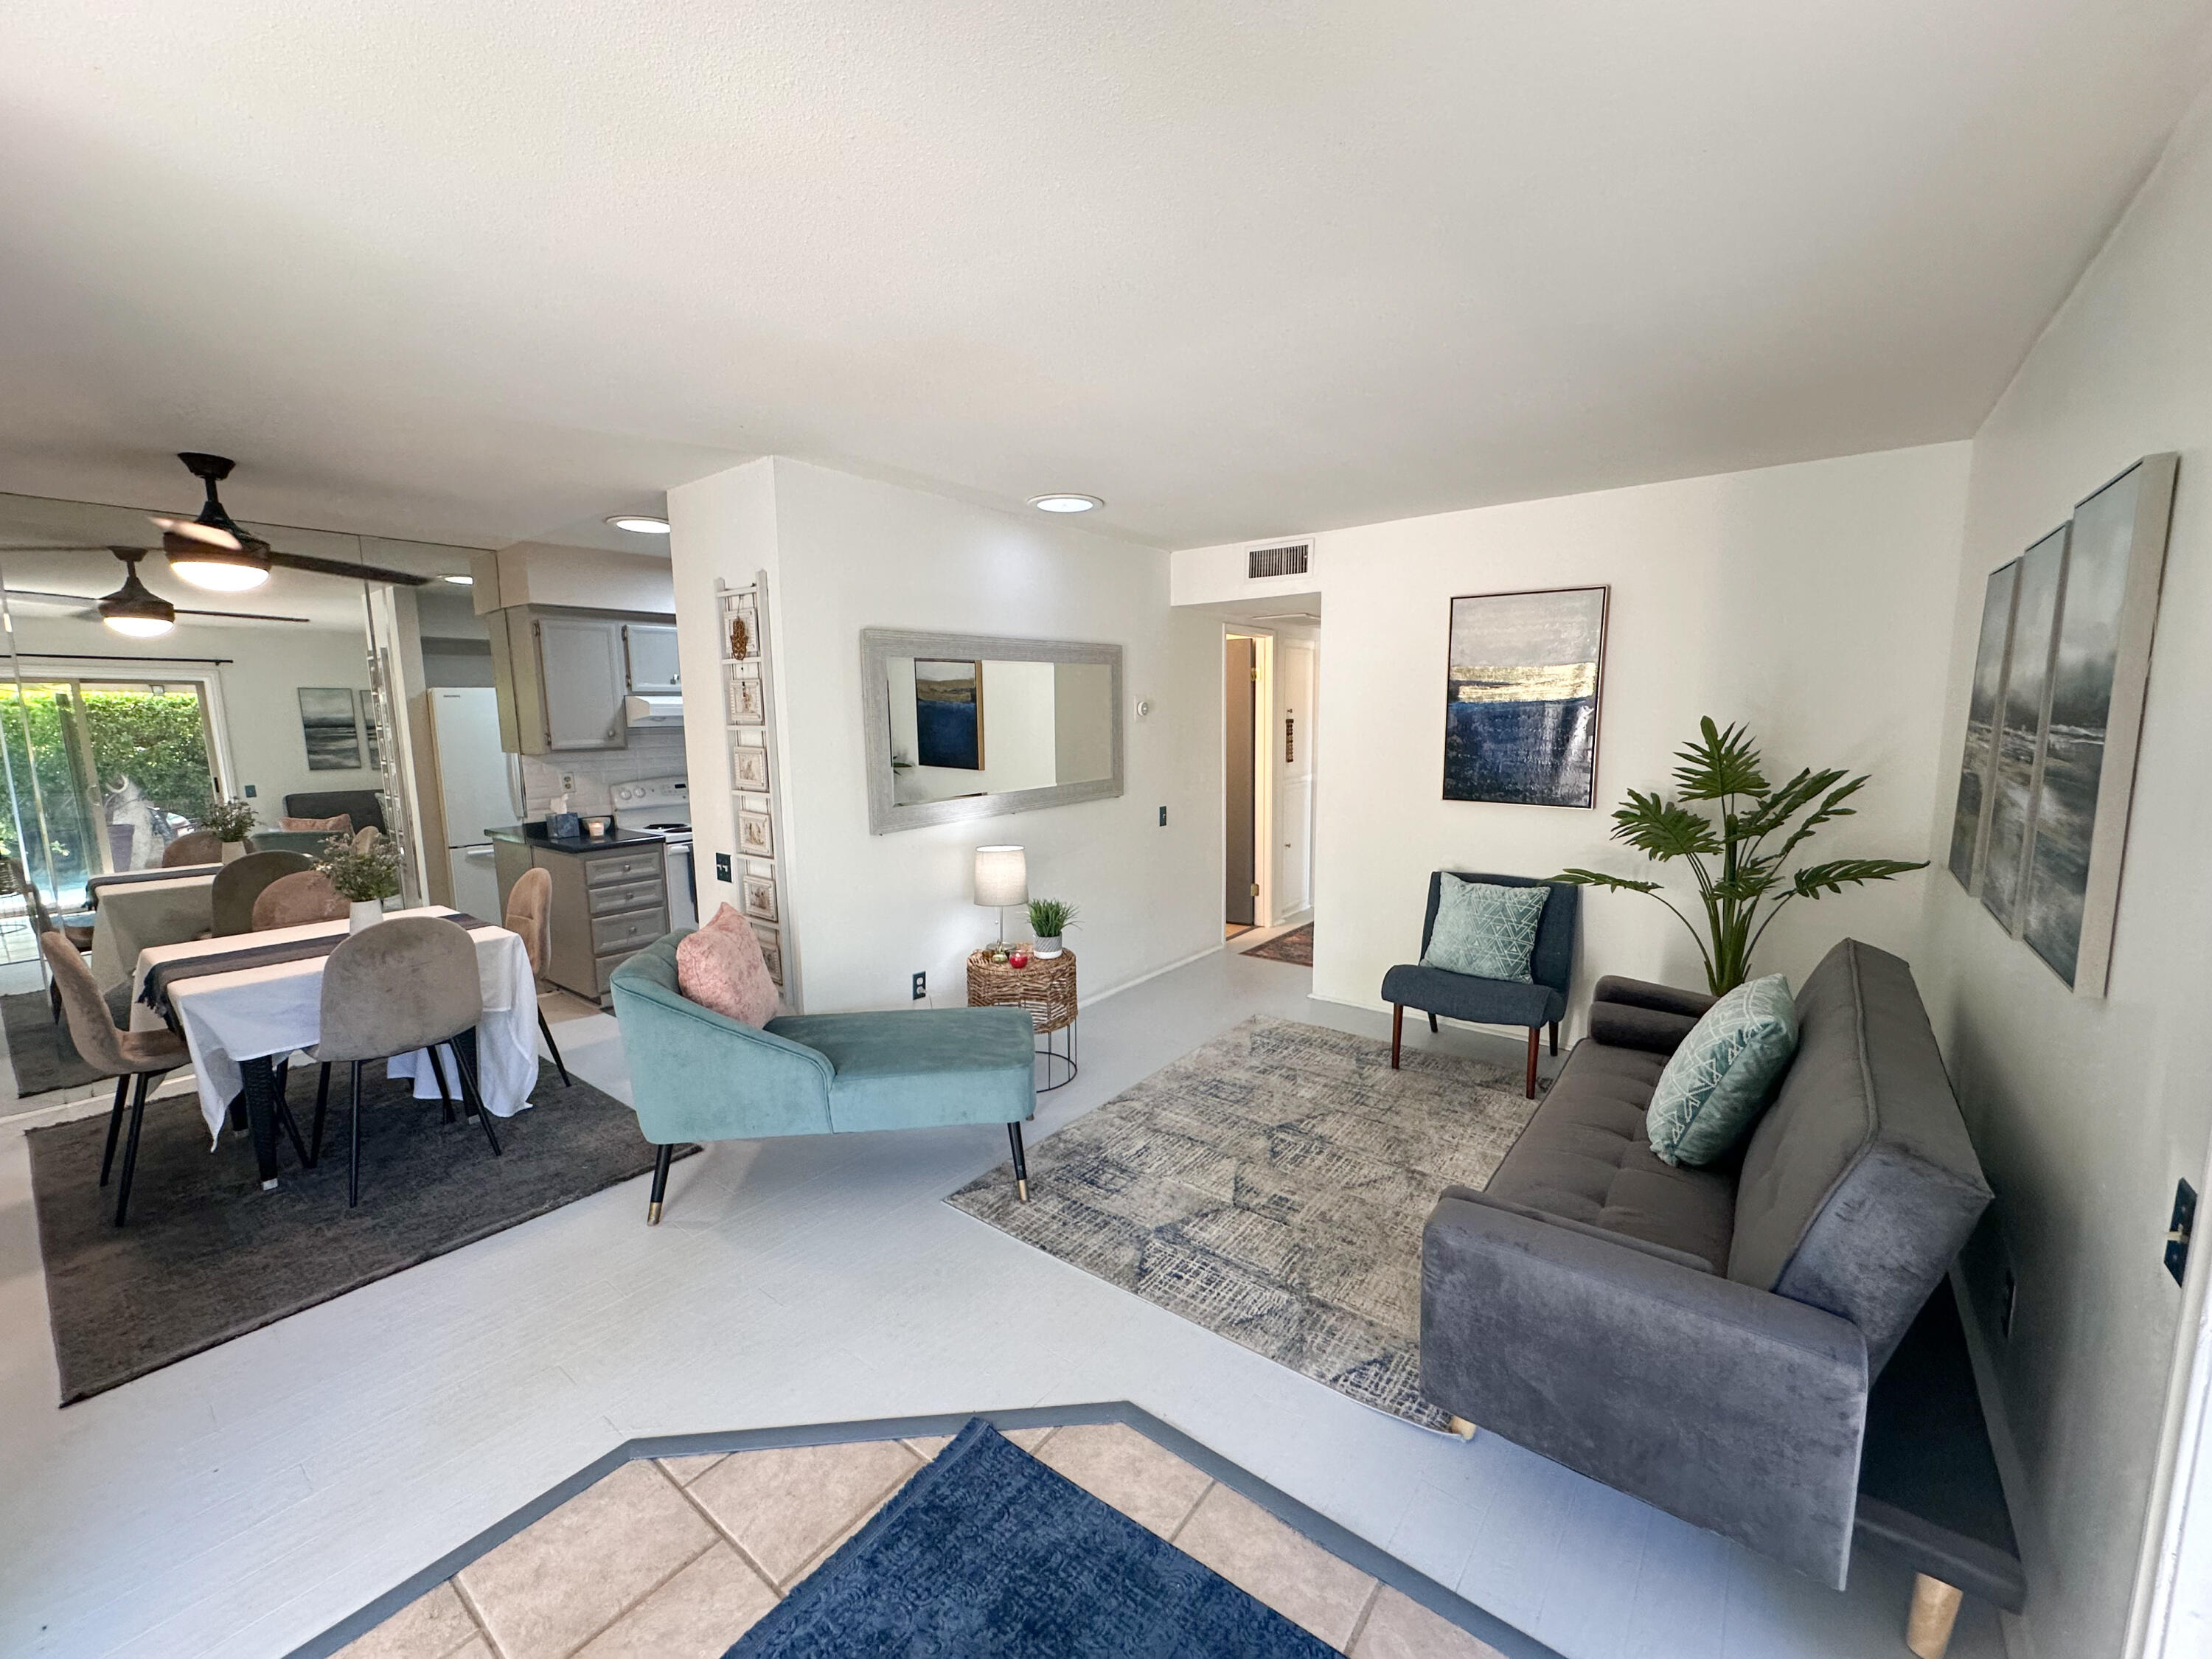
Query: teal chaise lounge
[696, 1075]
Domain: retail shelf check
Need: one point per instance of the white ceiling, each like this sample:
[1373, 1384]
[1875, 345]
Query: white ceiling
[470, 272]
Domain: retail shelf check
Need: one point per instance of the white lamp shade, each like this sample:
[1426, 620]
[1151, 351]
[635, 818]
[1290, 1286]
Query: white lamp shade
[1002, 875]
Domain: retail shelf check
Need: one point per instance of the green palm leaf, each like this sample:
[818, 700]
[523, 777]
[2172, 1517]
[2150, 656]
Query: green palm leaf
[1815, 879]
[1717, 764]
[1663, 829]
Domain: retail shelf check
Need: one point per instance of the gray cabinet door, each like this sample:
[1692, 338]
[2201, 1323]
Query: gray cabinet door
[652, 668]
[580, 664]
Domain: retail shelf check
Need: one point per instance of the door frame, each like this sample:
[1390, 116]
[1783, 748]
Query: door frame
[1263, 776]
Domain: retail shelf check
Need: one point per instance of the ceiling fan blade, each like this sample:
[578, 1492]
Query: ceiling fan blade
[5, 551]
[36, 598]
[368, 573]
[242, 615]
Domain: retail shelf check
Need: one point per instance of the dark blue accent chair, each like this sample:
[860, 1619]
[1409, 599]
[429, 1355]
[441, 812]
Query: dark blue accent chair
[1492, 1002]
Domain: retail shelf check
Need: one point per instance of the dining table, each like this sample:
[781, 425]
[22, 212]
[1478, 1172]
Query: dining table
[144, 907]
[246, 1002]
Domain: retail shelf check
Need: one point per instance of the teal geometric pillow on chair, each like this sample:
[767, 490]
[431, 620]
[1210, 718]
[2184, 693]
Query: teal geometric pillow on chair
[1720, 1080]
[1484, 930]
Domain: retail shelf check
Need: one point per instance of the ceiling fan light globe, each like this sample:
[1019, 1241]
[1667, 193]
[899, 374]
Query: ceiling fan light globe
[140, 627]
[217, 574]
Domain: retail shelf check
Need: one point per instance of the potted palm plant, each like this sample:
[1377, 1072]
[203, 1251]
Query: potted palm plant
[1048, 920]
[1741, 884]
[365, 875]
[232, 822]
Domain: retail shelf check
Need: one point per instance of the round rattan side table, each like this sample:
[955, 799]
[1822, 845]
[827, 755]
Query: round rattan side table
[1047, 989]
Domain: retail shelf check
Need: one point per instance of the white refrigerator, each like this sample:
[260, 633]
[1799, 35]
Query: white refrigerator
[478, 786]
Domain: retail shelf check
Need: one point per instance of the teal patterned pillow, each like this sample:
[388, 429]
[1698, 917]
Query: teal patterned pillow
[1484, 930]
[1719, 1080]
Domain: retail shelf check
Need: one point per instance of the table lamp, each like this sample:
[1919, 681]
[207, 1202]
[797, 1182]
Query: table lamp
[1002, 878]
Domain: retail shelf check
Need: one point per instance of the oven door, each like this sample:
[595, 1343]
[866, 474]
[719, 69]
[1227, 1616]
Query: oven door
[683, 888]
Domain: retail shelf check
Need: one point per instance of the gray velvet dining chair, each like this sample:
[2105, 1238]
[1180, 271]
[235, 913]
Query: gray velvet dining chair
[199, 846]
[75, 931]
[530, 916]
[296, 900]
[411, 982]
[242, 881]
[143, 1056]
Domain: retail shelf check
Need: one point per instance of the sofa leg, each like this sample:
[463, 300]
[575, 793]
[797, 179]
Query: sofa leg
[1432, 1024]
[1397, 1031]
[1021, 1163]
[1935, 1610]
[1555, 1039]
[661, 1158]
[1533, 1035]
[1462, 1428]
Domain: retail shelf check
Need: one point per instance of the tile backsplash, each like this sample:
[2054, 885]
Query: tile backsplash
[653, 753]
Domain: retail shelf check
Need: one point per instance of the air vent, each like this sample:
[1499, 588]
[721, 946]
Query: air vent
[1291, 559]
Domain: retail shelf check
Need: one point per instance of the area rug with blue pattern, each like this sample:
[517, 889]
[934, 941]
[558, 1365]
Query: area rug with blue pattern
[989, 1554]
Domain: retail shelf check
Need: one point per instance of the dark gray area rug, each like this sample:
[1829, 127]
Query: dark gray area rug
[38, 1048]
[207, 1256]
[1271, 1187]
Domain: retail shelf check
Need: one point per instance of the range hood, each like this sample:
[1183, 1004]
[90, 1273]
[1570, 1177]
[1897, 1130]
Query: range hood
[653, 711]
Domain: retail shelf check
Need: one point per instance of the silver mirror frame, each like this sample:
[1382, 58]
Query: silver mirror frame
[880, 645]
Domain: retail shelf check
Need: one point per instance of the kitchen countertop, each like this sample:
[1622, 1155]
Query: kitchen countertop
[535, 836]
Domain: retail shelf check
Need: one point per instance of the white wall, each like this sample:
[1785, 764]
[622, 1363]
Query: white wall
[846, 553]
[1796, 599]
[2086, 1111]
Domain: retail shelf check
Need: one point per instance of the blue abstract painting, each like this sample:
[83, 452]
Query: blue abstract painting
[1520, 697]
[948, 715]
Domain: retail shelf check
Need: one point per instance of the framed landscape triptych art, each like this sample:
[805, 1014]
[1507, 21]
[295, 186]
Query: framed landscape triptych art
[1521, 697]
[2060, 668]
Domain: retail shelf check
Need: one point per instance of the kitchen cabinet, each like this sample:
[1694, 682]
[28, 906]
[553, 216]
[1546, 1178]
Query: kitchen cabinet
[561, 675]
[609, 900]
[649, 649]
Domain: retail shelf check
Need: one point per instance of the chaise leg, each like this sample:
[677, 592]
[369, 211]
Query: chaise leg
[1432, 1024]
[1462, 1428]
[1021, 1163]
[1533, 1035]
[1555, 1037]
[1935, 1610]
[114, 1123]
[1397, 1031]
[661, 1158]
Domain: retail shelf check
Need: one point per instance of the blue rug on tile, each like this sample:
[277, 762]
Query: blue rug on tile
[989, 1554]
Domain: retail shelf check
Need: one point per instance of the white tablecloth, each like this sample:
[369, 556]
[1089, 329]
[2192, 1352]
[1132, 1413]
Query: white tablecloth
[254, 1013]
[134, 915]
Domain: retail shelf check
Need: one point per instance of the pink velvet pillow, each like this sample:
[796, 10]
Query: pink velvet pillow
[721, 967]
[342, 824]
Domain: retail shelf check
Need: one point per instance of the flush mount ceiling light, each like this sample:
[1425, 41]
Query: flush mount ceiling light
[460, 582]
[639, 523]
[135, 609]
[1062, 502]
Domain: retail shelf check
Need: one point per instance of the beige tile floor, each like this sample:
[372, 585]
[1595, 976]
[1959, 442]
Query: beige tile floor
[677, 1557]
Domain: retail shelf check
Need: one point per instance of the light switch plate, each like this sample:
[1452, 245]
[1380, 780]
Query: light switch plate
[722, 867]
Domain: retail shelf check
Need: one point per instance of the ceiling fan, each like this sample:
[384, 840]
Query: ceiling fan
[134, 608]
[212, 551]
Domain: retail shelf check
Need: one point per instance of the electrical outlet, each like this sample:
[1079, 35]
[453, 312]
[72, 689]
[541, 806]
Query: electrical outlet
[722, 867]
[2011, 1301]
[921, 985]
[2178, 1227]
[568, 779]
[1164, 817]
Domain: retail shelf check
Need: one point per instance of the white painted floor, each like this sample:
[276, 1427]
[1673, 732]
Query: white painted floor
[242, 1501]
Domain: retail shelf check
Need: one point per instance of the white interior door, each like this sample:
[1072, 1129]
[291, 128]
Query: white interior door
[1292, 741]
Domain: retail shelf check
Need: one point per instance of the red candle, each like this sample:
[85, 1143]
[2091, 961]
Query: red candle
[1019, 959]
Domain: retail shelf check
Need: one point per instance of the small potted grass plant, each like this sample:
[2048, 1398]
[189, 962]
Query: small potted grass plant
[1048, 920]
[365, 875]
[232, 822]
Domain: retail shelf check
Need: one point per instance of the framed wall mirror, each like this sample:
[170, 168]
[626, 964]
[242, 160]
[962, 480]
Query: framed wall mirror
[967, 725]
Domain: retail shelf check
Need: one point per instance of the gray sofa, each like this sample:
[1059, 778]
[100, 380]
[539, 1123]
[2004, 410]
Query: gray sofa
[1704, 1338]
